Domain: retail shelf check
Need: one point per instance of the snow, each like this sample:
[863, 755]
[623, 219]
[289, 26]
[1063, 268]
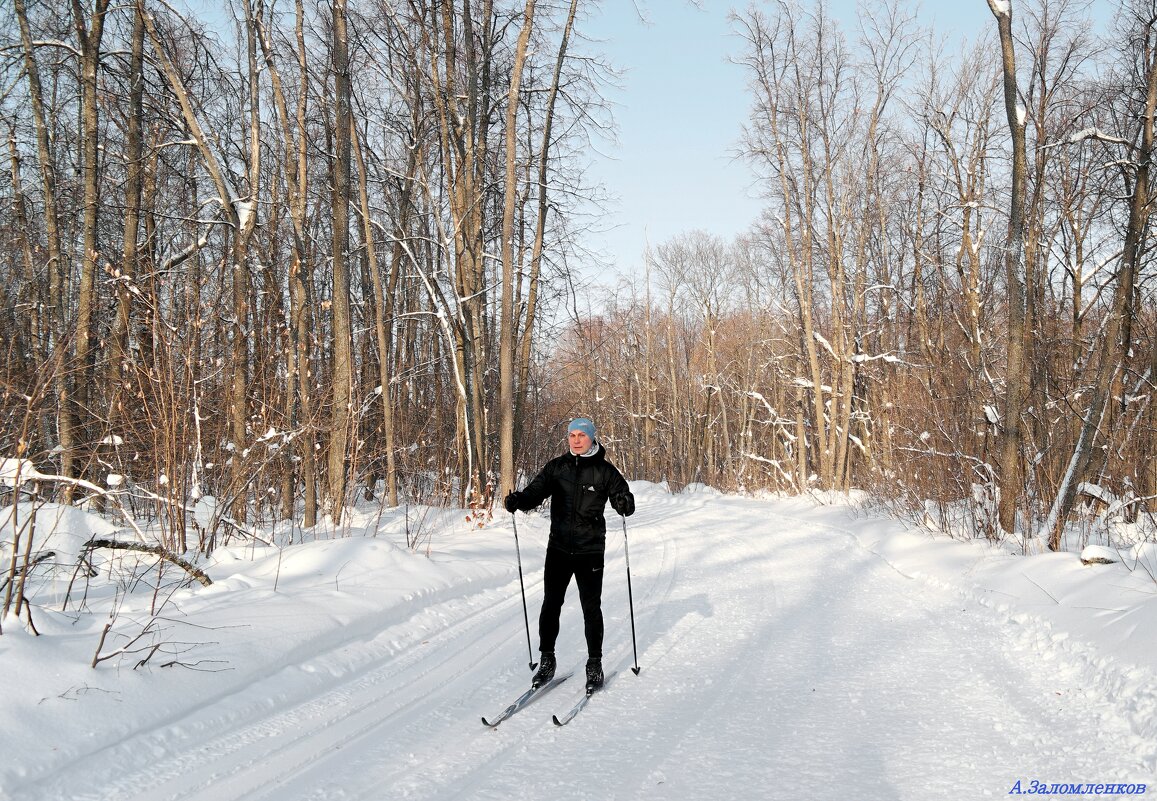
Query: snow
[14, 472]
[55, 527]
[245, 212]
[1095, 133]
[788, 648]
[820, 338]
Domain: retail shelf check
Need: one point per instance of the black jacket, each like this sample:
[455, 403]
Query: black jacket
[578, 488]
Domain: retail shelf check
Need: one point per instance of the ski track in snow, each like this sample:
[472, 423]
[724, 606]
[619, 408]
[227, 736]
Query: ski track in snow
[779, 661]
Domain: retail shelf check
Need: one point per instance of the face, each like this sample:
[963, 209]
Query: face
[579, 441]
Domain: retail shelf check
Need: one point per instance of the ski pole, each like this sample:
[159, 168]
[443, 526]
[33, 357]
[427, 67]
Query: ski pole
[630, 598]
[522, 586]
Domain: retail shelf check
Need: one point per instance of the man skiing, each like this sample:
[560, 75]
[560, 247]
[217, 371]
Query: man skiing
[579, 483]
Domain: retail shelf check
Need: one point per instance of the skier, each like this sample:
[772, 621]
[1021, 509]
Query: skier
[579, 484]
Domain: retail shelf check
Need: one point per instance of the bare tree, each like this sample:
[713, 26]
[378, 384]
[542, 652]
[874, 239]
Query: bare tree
[506, 373]
[57, 266]
[240, 214]
[1016, 379]
[342, 401]
[1108, 396]
[294, 135]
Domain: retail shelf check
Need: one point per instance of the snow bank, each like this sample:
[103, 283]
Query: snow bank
[53, 527]
[1100, 619]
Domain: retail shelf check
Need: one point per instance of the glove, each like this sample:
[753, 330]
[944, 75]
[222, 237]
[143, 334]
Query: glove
[512, 501]
[623, 503]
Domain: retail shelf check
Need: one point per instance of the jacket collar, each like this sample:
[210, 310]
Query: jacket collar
[596, 454]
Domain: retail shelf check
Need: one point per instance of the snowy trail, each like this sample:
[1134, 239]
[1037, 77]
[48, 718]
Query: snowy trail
[780, 660]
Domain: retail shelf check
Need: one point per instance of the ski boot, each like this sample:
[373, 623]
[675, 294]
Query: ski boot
[546, 666]
[594, 674]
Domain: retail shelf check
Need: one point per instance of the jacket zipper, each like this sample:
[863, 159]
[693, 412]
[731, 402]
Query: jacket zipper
[578, 491]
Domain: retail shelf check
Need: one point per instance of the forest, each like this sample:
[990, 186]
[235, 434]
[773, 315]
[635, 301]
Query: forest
[276, 258]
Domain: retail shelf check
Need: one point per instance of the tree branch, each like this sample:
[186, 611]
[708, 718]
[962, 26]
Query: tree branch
[156, 550]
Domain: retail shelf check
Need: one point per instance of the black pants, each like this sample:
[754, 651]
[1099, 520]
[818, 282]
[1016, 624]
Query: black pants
[587, 570]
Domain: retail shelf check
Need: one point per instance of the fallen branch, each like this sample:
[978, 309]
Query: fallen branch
[155, 550]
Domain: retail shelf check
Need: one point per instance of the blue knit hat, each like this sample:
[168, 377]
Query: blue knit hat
[582, 424]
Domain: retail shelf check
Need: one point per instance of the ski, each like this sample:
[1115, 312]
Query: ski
[582, 702]
[523, 700]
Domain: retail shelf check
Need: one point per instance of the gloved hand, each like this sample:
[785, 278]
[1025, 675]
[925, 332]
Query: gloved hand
[623, 503]
[512, 501]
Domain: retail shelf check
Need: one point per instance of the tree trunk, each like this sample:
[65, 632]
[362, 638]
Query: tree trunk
[341, 420]
[118, 354]
[241, 226]
[382, 306]
[526, 342]
[506, 397]
[89, 33]
[1016, 378]
[299, 386]
[57, 268]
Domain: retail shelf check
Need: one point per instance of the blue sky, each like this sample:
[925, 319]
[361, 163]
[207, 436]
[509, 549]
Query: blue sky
[680, 112]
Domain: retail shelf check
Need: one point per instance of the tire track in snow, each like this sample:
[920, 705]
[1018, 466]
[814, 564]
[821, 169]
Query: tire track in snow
[1114, 687]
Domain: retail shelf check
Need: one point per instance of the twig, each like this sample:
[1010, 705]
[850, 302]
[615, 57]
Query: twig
[1042, 589]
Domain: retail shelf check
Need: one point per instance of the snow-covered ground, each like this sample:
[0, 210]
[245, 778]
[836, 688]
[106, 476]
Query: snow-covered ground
[789, 650]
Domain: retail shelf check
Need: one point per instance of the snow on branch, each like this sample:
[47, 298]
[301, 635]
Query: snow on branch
[759, 397]
[856, 358]
[1098, 134]
[861, 358]
[773, 464]
[820, 338]
[1084, 134]
[16, 472]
